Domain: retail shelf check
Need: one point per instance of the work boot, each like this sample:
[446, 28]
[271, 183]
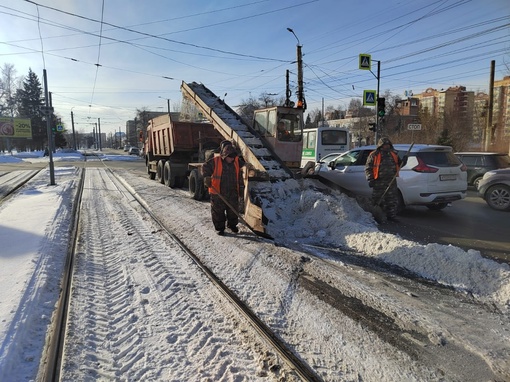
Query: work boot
[221, 233]
[234, 229]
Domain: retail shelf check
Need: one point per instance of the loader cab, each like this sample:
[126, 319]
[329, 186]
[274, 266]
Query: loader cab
[282, 128]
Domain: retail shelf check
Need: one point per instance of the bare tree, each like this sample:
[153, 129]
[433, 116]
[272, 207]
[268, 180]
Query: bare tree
[9, 84]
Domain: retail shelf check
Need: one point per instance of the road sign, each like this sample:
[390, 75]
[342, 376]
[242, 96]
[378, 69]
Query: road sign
[46, 109]
[414, 126]
[60, 128]
[369, 97]
[365, 61]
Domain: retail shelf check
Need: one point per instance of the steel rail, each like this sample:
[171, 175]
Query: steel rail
[55, 347]
[299, 366]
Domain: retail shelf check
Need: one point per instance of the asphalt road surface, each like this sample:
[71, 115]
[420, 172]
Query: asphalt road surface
[469, 223]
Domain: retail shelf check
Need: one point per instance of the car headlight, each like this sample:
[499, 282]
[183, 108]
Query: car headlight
[488, 174]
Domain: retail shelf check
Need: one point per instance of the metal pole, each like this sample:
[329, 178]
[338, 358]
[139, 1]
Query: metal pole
[377, 105]
[488, 128]
[99, 132]
[74, 135]
[48, 129]
[301, 98]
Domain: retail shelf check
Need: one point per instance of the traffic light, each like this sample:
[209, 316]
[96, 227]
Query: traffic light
[381, 106]
[373, 127]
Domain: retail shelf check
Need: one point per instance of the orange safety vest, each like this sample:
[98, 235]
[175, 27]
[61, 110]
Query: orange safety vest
[377, 163]
[216, 175]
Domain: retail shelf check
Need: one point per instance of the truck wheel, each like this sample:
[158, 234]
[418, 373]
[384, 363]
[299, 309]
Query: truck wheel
[196, 186]
[169, 178]
[159, 173]
[152, 175]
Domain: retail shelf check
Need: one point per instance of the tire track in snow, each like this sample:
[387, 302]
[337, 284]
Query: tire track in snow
[153, 315]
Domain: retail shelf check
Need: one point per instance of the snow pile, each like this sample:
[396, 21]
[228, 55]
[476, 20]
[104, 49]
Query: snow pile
[299, 211]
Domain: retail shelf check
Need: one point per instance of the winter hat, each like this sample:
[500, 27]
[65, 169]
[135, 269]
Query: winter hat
[384, 141]
[224, 143]
[228, 150]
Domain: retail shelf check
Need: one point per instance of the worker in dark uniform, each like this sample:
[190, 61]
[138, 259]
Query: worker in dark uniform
[223, 177]
[381, 170]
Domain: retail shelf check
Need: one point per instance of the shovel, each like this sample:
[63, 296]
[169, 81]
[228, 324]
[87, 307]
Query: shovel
[239, 215]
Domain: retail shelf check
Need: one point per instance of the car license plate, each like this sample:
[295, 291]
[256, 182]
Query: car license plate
[448, 177]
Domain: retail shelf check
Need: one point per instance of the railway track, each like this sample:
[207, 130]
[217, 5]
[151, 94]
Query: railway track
[62, 349]
[14, 180]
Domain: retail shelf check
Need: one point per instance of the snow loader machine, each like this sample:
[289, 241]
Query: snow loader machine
[270, 156]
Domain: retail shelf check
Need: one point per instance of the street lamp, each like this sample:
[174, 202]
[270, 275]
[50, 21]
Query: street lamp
[291, 31]
[301, 104]
[168, 103]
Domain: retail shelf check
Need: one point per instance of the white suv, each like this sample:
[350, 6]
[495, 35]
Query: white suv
[433, 176]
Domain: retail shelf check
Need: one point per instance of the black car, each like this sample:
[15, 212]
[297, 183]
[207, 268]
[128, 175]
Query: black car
[495, 189]
[478, 163]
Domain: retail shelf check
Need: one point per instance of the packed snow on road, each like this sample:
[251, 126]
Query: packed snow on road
[449, 320]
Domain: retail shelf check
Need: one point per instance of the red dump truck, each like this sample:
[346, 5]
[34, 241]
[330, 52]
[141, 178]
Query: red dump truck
[174, 149]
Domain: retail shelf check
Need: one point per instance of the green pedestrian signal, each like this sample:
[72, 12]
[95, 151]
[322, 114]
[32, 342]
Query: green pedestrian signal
[381, 107]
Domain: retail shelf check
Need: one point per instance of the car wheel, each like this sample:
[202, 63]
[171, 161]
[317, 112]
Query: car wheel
[498, 197]
[476, 182]
[437, 206]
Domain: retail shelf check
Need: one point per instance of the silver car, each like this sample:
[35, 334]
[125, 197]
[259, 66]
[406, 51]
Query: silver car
[495, 189]
[432, 176]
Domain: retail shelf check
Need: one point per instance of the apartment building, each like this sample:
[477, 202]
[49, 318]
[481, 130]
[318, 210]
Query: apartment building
[501, 109]
[453, 107]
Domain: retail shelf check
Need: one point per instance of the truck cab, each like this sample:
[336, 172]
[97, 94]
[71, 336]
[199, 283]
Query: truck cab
[282, 128]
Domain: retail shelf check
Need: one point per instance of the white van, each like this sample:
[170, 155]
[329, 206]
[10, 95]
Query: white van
[324, 140]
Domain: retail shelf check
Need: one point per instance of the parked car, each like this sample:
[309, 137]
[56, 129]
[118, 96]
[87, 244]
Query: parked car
[495, 189]
[126, 148]
[478, 163]
[328, 158]
[134, 151]
[432, 175]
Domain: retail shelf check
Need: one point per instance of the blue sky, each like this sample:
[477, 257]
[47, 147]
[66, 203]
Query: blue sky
[243, 48]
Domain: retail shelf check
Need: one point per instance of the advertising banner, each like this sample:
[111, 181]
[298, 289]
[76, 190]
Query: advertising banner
[15, 128]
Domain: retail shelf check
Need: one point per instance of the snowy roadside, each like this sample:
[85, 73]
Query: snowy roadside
[34, 237]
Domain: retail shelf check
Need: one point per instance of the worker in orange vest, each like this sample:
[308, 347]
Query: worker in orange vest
[223, 178]
[381, 170]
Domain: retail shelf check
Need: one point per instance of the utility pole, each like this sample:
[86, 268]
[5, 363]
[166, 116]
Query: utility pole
[49, 112]
[74, 135]
[99, 132]
[488, 128]
[301, 104]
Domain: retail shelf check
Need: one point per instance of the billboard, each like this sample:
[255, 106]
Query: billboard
[15, 128]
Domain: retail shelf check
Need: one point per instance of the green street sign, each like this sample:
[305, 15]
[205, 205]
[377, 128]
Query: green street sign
[365, 61]
[369, 97]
